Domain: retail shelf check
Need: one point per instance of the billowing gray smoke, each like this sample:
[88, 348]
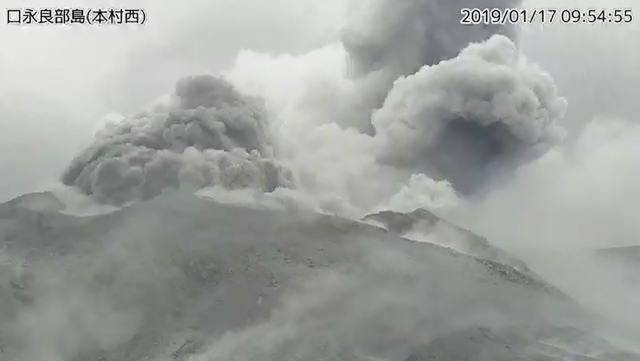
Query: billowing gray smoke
[392, 38]
[207, 135]
[463, 112]
[404, 35]
[463, 118]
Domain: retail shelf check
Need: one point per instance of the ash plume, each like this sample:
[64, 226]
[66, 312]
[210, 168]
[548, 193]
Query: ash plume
[404, 35]
[469, 116]
[207, 134]
[386, 39]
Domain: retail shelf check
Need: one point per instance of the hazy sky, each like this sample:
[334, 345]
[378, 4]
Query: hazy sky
[56, 82]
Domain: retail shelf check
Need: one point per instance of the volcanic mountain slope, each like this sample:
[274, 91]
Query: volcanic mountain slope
[428, 226]
[182, 278]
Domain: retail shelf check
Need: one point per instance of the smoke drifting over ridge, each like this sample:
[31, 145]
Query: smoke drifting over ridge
[207, 134]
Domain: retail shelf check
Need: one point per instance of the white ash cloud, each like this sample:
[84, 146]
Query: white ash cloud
[205, 134]
[460, 119]
[423, 192]
[472, 107]
[450, 123]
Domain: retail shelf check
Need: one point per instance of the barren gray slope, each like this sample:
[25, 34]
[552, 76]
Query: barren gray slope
[448, 234]
[179, 277]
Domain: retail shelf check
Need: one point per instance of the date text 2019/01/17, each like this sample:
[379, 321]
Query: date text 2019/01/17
[476, 16]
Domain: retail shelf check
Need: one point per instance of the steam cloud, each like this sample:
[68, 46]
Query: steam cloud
[459, 119]
[208, 134]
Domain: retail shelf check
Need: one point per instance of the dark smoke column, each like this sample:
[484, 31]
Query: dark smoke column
[401, 36]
